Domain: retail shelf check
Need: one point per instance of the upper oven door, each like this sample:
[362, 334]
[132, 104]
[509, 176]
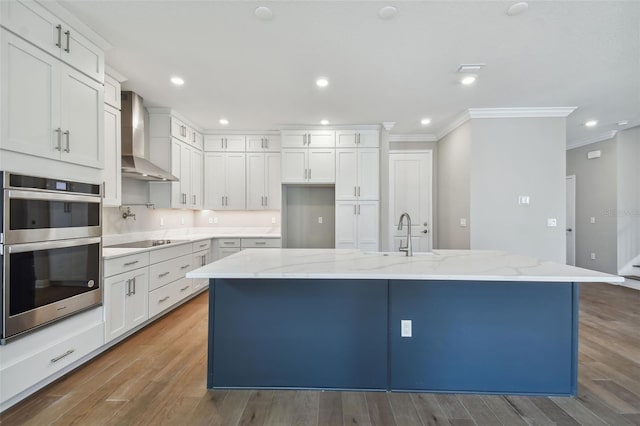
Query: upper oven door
[33, 216]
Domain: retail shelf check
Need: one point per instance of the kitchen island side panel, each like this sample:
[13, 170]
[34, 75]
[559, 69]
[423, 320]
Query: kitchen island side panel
[290, 333]
[484, 337]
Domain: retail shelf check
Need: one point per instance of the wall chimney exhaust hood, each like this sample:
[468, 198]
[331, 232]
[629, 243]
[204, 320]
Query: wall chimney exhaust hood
[134, 165]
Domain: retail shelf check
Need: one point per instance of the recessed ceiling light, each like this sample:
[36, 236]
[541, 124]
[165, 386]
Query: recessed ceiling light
[322, 82]
[591, 123]
[263, 13]
[425, 121]
[468, 80]
[517, 8]
[144, 174]
[224, 121]
[177, 81]
[622, 122]
[324, 122]
[387, 12]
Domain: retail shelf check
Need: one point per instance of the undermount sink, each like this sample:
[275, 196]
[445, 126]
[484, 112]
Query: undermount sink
[396, 253]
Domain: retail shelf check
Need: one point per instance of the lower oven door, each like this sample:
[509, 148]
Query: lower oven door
[43, 282]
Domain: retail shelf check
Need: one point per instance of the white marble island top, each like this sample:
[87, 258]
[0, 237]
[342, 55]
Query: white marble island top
[454, 265]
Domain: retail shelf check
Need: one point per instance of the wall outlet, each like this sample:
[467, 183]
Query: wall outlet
[210, 220]
[405, 328]
[463, 222]
[273, 220]
[162, 221]
[552, 222]
[592, 219]
[319, 219]
[215, 220]
[523, 199]
[593, 256]
[182, 220]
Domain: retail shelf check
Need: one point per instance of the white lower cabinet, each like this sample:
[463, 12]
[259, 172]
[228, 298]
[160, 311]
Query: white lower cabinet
[168, 295]
[357, 225]
[125, 300]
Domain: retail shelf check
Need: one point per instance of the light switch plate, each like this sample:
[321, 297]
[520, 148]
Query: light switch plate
[552, 222]
[319, 219]
[523, 199]
[215, 220]
[210, 220]
[182, 220]
[405, 328]
[592, 219]
[463, 222]
[273, 220]
[593, 256]
[162, 221]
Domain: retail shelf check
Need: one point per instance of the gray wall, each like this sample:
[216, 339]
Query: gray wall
[304, 204]
[628, 212]
[454, 165]
[512, 157]
[595, 197]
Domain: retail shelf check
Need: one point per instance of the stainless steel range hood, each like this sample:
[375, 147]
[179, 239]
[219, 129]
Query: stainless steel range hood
[134, 165]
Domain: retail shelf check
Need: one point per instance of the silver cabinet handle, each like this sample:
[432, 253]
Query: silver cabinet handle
[59, 132]
[59, 28]
[164, 299]
[134, 285]
[266, 200]
[358, 190]
[222, 143]
[59, 357]
[355, 191]
[226, 201]
[309, 174]
[358, 138]
[266, 143]
[128, 287]
[184, 288]
[262, 143]
[202, 245]
[228, 242]
[164, 274]
[194, 198]
[354, 209]
[68, 34]
[185, 266]
[204, 259]
[426, 231]
[131, 263]
[261, 243]
[262, 200]
[358, 208]
[66, 133]
[226, 143]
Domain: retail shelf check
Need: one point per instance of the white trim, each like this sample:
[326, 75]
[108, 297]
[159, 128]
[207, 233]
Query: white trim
[330, 127]
[572, 261]
[521, 112]
[413, 138]
[458, 121]
[176, 114]
[592, 139]
[114, 74]
[628, 282]
[241, 132]
[388, 125]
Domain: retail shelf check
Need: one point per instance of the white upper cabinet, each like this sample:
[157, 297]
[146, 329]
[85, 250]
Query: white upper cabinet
[263, 143]
[226, 143]
[308, 139]
[196, 169]
[357, 174]
[112, 92]
[357, 139]
[263, 181]
[308, 165]
[49, 109]
[34, 23]
[225, 181]
[357, 225]
[178, 129]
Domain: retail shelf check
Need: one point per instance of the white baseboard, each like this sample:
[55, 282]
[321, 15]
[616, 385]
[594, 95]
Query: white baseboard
[628, 282]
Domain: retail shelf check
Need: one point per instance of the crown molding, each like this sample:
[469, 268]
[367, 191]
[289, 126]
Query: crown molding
[524, 112]
[114, 74]
[329, 127]
[216, 132]
[63, 13]
[592, 139]
[427, 137]
[458, 121]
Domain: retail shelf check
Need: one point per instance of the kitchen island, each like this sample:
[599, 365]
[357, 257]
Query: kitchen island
[447, 321]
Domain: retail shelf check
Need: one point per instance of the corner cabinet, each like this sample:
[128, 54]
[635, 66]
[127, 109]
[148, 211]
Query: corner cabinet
[225, 180]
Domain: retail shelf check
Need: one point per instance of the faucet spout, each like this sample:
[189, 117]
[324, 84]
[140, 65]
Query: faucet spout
[408, 249]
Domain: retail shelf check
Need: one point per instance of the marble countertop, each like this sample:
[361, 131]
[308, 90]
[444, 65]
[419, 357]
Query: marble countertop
[185, 238]
[455, 265]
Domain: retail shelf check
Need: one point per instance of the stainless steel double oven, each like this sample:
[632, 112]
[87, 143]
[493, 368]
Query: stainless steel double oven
[50, 251]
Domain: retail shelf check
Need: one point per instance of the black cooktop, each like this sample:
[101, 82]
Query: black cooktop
[146, 243]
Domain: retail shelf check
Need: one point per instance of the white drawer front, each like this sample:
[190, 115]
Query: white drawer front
[165, 297]
[122, 264]
[170, 270]
[229, 242]
[260, 243]
[171, 252]
[36, 367]
[198, 283]
[201, 245]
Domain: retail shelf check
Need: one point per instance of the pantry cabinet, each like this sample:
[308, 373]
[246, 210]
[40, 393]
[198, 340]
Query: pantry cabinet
[263, 181]
[224, 175]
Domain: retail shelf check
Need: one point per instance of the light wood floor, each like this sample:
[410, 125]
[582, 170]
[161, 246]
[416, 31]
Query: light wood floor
[158, 377]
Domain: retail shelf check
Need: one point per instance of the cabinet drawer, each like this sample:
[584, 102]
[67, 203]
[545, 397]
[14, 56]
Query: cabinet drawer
[229, 242]
[170, 270]
[36, 367]
[122, 264]
[260, 243]
[172, 252]
[198, 283]
[165, 297]
[201, 245]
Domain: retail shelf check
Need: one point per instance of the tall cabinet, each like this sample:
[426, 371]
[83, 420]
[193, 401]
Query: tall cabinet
[263, 173]
[112, 177]
[308, 156]
[357, 189]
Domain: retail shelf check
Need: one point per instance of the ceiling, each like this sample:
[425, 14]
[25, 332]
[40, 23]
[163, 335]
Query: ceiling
[261, 74]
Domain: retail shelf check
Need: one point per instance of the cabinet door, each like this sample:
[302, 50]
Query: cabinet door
[346, 139]
[236, 181]
[82, 54]
[177, 199]
[273, 182]
[112, 92]
[82, 115]
[322, 165]
[346, 174]
[33, 23]
[115, 293]
[178, 129]
[111, 174]
[214, 181]
[368, 225]
[368, 139]
[255, 143]
[255, 181]
[294, 139]
[272, 143]
[346, 224]
[322, 138]
[185, 175]
[294, 165]
[196, 179]
[137, 303]
[234, 143]
[30, 101]
[368, 174]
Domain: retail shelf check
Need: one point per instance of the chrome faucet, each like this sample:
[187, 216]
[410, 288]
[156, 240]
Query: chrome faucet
[409, 247]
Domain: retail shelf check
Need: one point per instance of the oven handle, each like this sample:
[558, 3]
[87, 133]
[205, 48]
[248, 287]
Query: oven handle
[51, 196]
[47, 245]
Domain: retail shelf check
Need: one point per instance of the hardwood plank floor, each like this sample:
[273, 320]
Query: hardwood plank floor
[158, 377]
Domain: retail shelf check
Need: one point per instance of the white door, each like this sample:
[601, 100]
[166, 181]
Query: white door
[236, 178]
[137, 304]
[111, 174]
[255, 181]
[368, 229]
[410, 191]
[214, 180]
[368, 174]
[294, 165]
[346, 174]
[196, 179]
[273, 185]
[571, 220]
[322, 165]
[346, 224]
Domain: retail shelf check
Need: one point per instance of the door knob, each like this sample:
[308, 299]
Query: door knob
[569, 229]
[426, 231]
